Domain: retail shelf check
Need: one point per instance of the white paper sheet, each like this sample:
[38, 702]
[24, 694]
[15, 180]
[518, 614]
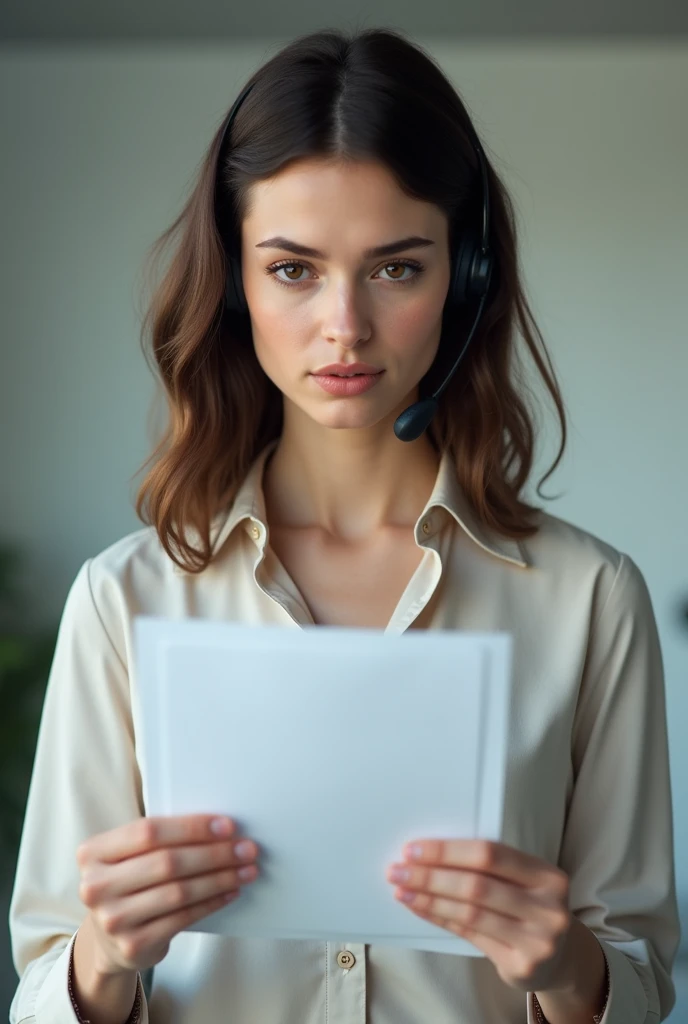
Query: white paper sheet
[331, 748]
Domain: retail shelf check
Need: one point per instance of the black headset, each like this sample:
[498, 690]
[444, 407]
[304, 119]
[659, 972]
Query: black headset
[471, 271]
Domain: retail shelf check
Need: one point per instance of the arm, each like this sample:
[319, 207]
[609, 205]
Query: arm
[85, 780]
[100, 998]
[617, 846]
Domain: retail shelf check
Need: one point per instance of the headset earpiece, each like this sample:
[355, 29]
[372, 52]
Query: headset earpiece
[470, 270]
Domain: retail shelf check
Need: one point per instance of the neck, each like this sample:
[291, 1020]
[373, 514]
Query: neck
[347, 482]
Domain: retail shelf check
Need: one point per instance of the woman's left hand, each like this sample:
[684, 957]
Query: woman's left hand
[510, 905]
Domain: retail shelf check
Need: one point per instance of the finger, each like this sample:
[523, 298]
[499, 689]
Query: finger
[145, 834]
[494, 949]
[132, 911]
[484, 855]
[100, 882]
[498, 926]
[483, 890]
[162, 930]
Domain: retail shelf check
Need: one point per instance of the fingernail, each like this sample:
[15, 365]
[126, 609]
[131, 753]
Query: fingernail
[398, 874]
[247, 873]
[231, 896]
[244, 849]
[221, 826]
[415, 852]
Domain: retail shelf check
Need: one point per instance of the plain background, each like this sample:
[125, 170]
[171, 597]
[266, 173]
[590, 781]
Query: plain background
[100, 148]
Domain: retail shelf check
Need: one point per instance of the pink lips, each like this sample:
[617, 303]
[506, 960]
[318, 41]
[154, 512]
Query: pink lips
[347, 386]
[344, 369]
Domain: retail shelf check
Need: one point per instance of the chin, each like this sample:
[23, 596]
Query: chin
[344, 415]
[347, 421]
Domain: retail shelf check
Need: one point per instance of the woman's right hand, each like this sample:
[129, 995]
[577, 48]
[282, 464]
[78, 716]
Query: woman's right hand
[148, 880]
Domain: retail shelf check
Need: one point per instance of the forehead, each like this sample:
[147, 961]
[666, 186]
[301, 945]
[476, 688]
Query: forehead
[316, 192]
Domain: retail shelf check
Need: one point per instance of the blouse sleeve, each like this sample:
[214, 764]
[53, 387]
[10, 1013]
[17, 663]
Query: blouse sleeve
[85, 780]
[617, 847]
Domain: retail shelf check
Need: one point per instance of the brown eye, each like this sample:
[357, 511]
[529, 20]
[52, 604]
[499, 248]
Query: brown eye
[416, 269]
[289, 269]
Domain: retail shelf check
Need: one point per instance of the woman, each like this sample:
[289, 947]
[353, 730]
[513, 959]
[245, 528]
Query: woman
[341, 196]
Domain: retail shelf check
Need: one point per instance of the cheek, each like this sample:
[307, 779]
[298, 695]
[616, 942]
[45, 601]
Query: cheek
[415, 330]
[278, 336]
[273, 322]
[414, 321]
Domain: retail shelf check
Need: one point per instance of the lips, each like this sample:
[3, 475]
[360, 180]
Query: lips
[348, 386]
[341, 375]
[346, 370]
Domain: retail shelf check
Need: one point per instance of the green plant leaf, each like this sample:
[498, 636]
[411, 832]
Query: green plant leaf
[25, 658]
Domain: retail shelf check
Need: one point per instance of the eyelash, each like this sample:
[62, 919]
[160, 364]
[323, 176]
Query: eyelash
[418, 267]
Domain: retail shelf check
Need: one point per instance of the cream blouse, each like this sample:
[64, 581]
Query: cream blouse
[588, 784]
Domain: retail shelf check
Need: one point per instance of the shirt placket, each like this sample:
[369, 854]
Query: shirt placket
[425, 579]
[276, 583]
[345, 983]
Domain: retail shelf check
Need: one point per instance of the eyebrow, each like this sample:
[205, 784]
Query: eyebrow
[412, 242]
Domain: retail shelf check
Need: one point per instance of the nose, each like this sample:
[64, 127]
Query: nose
[345, 321]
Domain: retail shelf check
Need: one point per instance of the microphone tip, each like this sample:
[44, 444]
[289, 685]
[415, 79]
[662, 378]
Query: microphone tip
[411, 423]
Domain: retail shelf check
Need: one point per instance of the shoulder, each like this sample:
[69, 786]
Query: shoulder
[134, 560]
[133, 576]
[559, 542]
[577, 561]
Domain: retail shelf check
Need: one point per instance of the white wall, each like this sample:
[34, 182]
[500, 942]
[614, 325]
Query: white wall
[99, 147]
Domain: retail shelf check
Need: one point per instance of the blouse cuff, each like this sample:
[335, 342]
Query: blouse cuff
[55, 1003]
[626, 1000]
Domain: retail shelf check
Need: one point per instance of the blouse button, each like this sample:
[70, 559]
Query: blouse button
[426, 527]
[345, 959]
[255, 532]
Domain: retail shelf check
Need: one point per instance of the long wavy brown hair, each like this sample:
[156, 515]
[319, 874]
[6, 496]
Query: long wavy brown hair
[367, 94]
